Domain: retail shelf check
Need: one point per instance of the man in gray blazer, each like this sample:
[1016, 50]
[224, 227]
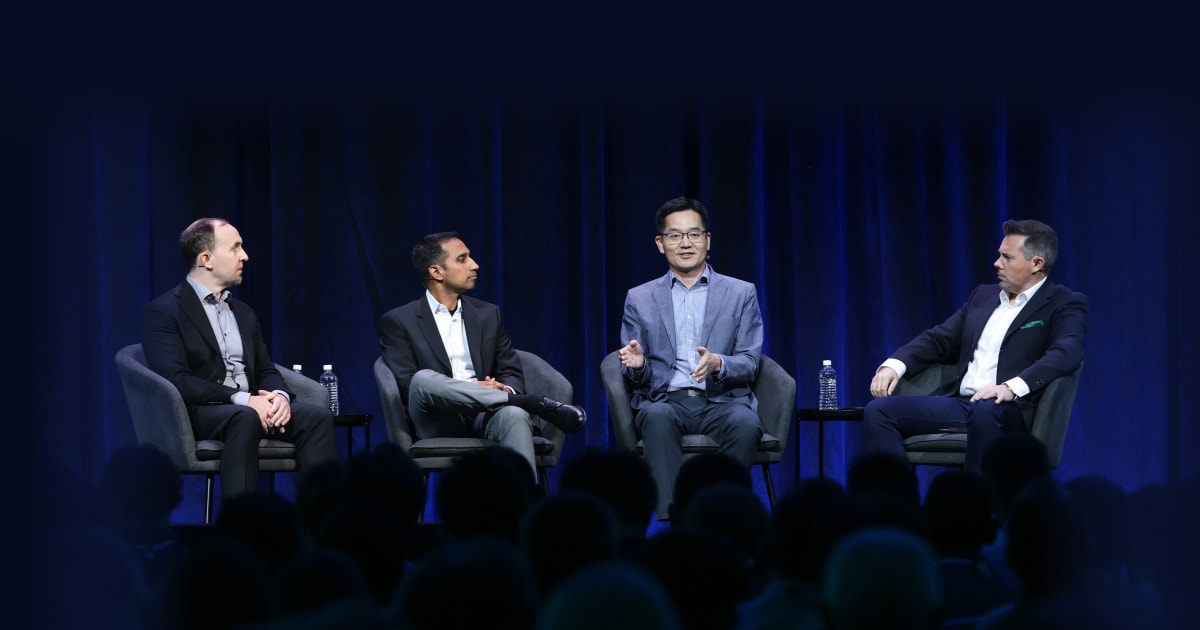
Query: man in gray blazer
[692, 343]
[457, 371]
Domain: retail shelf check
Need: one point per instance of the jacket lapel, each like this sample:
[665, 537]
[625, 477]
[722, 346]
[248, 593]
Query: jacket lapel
[191, 307]
[241, 316]
[474, 338]
[1039, 301]
[718, 289]
[662, 298]
[433, 338]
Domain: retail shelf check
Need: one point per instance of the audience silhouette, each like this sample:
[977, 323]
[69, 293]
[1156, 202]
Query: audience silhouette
[351, 551]
[701, 471]
[481, 581]
[142, 487]
[621, 479]
[485, 493]
[565, 532]
[734, 512]
[882, 578]
[792, 596]
[705, 575]
[958, 511]
[607, 595]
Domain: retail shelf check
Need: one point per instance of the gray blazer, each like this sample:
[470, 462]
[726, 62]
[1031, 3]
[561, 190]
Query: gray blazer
[733, 328]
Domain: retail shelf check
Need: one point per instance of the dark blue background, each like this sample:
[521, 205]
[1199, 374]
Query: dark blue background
[863, 216]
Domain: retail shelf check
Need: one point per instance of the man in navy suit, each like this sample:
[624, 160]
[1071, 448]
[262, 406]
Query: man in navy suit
[693, 340]
[1008, 341]
[454, 364]
[210, 346]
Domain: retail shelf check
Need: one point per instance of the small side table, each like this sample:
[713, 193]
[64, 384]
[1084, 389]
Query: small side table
[351, 420]
[847, 414]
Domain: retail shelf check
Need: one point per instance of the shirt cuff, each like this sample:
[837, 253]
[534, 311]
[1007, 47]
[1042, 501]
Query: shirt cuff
[720, 375]
[284, 394]
[241, 398]
[895, 364]
[1018, 386]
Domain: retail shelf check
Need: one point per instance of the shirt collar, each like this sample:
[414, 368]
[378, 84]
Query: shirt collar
[703, 277]
[1024, 296]
[437, 307]
[202, 292]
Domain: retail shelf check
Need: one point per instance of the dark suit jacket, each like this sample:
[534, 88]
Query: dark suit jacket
[409, 341]
[180, 344]
[1044, 342]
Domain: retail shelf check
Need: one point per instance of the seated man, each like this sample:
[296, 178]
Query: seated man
[454, 364]
[210, 346]
[1008, 341]
[693, 340]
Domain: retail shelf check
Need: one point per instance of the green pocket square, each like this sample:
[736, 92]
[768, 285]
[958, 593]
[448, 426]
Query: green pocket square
[1036, 322]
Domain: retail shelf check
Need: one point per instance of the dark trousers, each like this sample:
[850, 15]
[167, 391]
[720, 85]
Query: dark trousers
[887, 421]
[662, 425]
[310, 429]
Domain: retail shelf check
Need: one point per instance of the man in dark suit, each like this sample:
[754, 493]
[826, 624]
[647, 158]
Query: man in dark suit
[1008, 340]
[454, 364]
[210, 346]
[693, 342]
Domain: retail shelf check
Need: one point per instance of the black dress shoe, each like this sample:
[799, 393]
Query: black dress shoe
[569, 418]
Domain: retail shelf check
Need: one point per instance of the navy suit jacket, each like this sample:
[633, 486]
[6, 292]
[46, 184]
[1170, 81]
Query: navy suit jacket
[1044, 342]
[409, 341]
[180, 345]
[733, 328]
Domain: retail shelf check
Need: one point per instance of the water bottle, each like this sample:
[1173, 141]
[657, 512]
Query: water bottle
[297, 369]
[330, 381]
[828, 398]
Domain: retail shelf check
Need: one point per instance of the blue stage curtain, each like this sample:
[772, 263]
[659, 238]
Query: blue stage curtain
[862, 218]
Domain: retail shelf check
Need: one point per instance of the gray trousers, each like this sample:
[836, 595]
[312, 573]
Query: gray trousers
[441, 406]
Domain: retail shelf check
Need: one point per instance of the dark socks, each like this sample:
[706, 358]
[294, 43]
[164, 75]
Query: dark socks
[528, 402]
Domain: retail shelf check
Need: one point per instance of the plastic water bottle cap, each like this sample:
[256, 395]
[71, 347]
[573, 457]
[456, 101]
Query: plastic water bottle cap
[297, 367]
[327, 367]
[825, 362]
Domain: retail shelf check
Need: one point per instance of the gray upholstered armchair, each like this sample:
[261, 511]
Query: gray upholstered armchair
[160, 418]
[1050, 419]
[775, 390]
[438, 454]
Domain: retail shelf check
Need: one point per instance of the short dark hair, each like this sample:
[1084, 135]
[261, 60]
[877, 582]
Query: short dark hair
[429, 251]
[680, 204]
[198, 237]
[1040, 240]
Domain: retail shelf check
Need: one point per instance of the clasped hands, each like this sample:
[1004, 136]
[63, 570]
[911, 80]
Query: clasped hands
[274, 410]
[885, 380]
[634, 358]
[492, 383]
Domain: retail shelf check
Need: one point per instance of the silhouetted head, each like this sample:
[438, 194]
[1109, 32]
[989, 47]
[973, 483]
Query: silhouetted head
[958, 510]
[701, 471]
[485, 492]
[882, 577]
[618, 477]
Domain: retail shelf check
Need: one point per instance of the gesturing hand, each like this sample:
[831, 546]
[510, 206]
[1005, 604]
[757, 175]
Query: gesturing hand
[632, 356]
[709, 363]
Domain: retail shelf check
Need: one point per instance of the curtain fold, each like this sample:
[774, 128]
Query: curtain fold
[862, 220]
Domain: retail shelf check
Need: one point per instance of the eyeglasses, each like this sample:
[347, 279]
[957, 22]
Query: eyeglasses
[674, 238]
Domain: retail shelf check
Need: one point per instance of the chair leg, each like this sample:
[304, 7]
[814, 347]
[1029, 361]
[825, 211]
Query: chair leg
[421, 512]
[208, 500]
[544, 481]
[770, 485]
